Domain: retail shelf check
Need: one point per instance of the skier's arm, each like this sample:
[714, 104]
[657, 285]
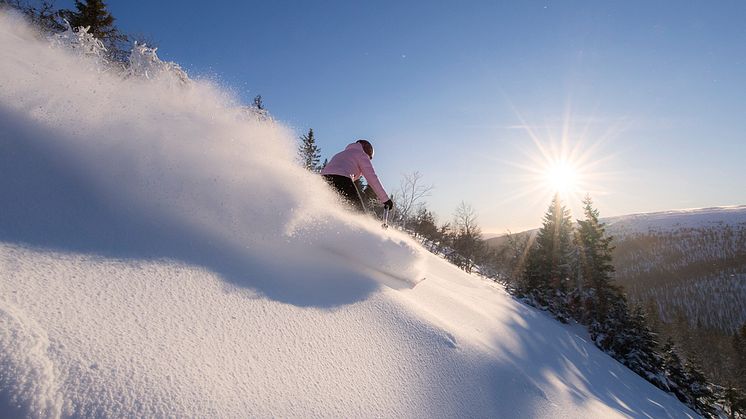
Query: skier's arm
[370, 176]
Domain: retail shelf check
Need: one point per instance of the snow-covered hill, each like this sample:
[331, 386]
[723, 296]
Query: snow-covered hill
[669, 221]
[162, 255]
[689, 262]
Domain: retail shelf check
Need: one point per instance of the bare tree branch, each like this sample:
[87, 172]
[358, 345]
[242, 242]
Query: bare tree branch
[410, 194]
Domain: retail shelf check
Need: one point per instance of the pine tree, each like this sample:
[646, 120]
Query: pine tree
[549, 266]
[444, 235]
[595, 268]
[674, 370]
[611, 334]
[309, 153]
[258, 103]
[424, 224]
[689, 384]
[93, 14]
[699, 389]
[626, 335]
[640, 354]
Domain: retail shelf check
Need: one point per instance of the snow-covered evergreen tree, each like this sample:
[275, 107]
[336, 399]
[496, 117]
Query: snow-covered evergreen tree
[640, 354]
[674, 369]
[687, 382]
[700, 391]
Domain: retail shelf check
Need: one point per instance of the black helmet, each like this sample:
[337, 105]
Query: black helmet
[367, 147]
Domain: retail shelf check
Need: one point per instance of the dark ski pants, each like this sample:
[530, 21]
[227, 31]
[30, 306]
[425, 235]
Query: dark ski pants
[347, 189]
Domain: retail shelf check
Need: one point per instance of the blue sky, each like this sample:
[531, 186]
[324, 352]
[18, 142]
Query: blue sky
[651, 95]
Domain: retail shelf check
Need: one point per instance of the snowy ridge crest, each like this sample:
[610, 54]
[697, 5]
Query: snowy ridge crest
[665, 221]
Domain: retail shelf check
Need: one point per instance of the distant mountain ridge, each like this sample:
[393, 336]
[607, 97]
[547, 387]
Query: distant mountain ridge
[676, 219]
[661, 220]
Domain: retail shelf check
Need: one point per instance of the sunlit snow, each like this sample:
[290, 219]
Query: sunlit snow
[161, 254]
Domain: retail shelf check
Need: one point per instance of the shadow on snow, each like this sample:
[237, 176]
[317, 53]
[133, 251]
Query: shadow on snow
[47, 203]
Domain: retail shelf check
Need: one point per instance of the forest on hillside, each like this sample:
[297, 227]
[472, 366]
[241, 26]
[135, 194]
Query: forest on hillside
[689, 277]
[692, 283]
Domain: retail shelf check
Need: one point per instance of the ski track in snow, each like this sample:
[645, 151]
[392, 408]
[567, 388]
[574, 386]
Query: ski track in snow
[159, 256]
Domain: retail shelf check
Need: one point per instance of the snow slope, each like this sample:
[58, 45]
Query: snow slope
[162, 255]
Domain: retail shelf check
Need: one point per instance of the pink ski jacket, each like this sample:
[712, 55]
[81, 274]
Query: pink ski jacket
[353, 162]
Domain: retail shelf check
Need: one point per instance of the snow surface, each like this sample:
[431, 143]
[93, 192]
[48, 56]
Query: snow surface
[162, 255]
[667, 221]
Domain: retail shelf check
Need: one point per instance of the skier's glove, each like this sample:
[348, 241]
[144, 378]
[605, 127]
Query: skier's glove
[388, 204]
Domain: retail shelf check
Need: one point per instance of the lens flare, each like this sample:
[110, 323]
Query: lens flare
[562, 177]
[563, 157]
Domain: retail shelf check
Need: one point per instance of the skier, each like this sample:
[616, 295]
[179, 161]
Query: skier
[347, 166]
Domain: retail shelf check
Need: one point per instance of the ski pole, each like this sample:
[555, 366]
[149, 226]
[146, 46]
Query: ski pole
[385, 224]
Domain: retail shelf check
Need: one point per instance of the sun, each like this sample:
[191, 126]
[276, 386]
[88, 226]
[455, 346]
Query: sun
[566, 157]
[562, 177]
[567, 166]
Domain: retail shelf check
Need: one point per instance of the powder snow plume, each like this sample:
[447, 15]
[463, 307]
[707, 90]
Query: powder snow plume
[152, 166]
